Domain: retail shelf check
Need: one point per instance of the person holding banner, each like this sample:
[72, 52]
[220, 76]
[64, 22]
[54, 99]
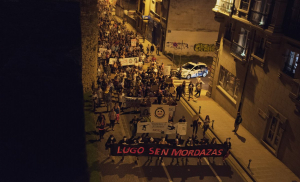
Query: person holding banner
[162, 142]
[108, 145]
[124, 141]
[189, 143]
[176, 144]
[151, 142]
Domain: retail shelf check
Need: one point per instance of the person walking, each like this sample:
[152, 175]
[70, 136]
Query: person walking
[152, 49]
[189, 143]
[108, 145]
[198, 89]
[157, 49]
[238, 121]
[101, 126]
[162, 142]
[152, 144]
[112, 117]
[178, 92]
[148, 49]
[134, 123]
[213, 142]
[183, 88]
[196, 124]
[117, 110]
[206, 124]
[191, 88]
[123, 142]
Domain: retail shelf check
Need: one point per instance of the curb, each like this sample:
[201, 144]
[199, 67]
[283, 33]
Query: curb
[232, 154]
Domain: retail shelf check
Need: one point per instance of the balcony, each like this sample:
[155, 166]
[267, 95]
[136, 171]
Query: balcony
[258, 18]
[238, 51]
[289, 70]
[224, 6]
[244, 5]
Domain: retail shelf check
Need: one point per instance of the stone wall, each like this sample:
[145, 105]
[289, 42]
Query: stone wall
[89, 42]
[191, 21]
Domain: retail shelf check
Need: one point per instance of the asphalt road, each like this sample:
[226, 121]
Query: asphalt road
[204, 79]
[156, 171]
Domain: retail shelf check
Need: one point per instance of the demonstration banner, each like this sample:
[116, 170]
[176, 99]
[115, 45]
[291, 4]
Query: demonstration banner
[112, 60]
[102, 50]
[167, 70]
[129, 61]
[133, 42]
[211, 150]
[132, 102]
[181, 128]
[155, 127]
[159, 113]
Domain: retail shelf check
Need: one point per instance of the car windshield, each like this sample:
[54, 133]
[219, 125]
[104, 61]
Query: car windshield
[188, 66]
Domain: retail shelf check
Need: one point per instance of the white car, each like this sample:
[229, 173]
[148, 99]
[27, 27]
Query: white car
[191, 70]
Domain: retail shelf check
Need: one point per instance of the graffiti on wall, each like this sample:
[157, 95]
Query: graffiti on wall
[204, 47]
[177, 45]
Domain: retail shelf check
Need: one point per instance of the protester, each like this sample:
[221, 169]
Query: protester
[196, 124]
[112, 117]
[152, 49]
[101, 126]
[117, 110]
[123, 142]
[191, 87]
[151, 142]
[133, 123]
[178, 92]
[108, 145]
[238, 121]
[206, 124]
[162, 142]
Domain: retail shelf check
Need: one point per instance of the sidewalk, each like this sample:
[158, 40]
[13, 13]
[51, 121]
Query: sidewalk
[264, 165]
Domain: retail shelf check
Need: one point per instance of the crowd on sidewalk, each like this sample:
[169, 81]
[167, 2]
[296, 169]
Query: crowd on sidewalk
[115, 82]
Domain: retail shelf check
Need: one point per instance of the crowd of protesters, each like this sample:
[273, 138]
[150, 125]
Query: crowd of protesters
[115, 81]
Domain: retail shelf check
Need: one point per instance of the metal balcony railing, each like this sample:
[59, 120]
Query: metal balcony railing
[289, 70]
[238, 50]
[244, 5]
[258, 18]
[226, 6]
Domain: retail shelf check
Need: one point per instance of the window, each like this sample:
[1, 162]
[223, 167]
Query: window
[225, 5]
[259, 12]
[239, 47]
[229, 82]
[244, 4]
[291, 63]
[259, 46]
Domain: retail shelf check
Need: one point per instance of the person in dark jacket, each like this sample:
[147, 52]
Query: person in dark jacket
[178, 92]
[108, 145]
[237, 122]
[123, 142]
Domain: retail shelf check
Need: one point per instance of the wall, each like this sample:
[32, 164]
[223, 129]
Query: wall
[265, 88]
[89, 42]
[192, 21]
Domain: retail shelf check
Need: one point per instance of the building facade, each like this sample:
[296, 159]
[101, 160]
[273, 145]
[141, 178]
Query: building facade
[191, 28]
[256, 72]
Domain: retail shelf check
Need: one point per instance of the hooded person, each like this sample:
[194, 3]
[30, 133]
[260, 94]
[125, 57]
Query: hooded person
[108, 145]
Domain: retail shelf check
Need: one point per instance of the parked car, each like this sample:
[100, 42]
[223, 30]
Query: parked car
[191, 70]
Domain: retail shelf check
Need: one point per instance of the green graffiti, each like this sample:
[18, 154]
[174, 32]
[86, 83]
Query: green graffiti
[204, 47]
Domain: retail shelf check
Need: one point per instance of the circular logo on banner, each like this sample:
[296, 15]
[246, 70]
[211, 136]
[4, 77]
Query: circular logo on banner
[159, 112]
[130, 60]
